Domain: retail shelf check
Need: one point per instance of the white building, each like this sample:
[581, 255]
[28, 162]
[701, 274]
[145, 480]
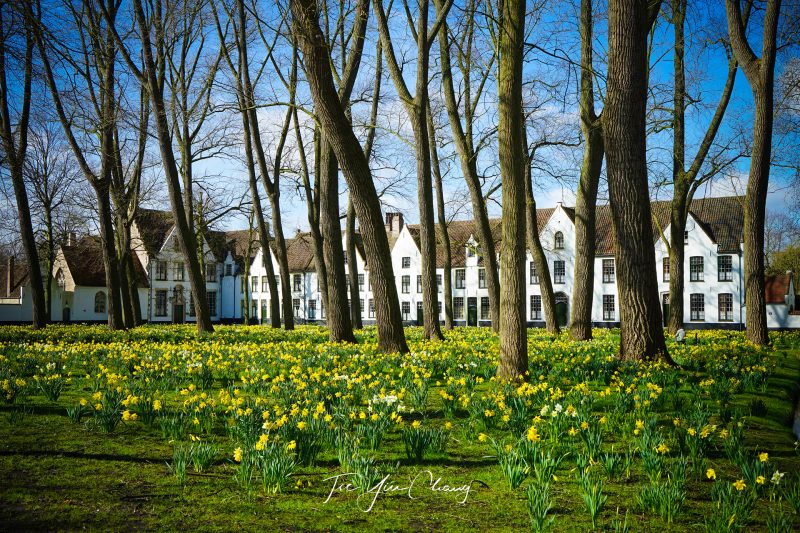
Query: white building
[235, 273]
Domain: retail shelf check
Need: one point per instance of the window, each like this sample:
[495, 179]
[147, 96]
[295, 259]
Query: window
[177, 271]
[322, 308]
[725, 267]
[406, 262]
[254, 309]
[371, 308]
[608, 271]
[609, 312]
[211, 272]
[406, 284]
[485, 311]
[298, 282]
[312, 309]
[665, 269]
[559, 271]
[534, 275]
[161, 270]
[100, 302]
[458, 308]
[361, 284]
[211, 296]
[461, 278]
[264, 284]
[470, 251]
[406, 308]
[228, 269]
[439, 306]
[482, 278]
[725, 307]
[161, 302]
[696, 268]
[296, 306]
[697, 309]
[419, 284]
[438, 283]
[559, 241]
[254, 284]
[536, 307]
[361, 306]
[685, 237]
[191, 305]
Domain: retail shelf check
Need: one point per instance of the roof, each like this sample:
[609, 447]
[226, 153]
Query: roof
[154, 226]
[776, 288]
[85, 263]
[239, 243]
[20, 276]
[299, 252]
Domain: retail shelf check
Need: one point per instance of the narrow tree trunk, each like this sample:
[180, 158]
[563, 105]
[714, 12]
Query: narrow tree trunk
[444, 235]
[352, 266]
[133, 287]
[586, 201]
[537, 252]
[513, 339]
[283, 260]
[50, 261]
[340, 327]
[313, 208]
[679, 210]
[641, 333]
[355, 168]
[110, 263]
[468, 160]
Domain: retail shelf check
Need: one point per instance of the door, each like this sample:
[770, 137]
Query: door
[561, 309]
[177, 314]
[472, 311]
[665, 309]
[420, 317]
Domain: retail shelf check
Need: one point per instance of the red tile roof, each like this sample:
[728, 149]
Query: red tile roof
[776, 288]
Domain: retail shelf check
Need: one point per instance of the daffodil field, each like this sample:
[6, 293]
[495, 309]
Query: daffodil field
[257, 428]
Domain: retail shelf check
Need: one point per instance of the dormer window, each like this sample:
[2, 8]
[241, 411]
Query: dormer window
[559, 240]
[470, 251]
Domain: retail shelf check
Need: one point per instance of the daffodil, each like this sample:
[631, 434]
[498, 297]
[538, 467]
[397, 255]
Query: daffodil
[711, 474]
[739, 484]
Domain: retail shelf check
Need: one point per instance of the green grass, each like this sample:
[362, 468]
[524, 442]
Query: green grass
[58, 475]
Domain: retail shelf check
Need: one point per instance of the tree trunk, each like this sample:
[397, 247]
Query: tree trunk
[444, 235]
[133, 287]
[352, 267]
[110, 263]
[50, 261]
[340, 328]
[186, 237]
[513, 338]
[642, 336]
[468, 160]
[283, 260]
[586, 201]
[355, 168]
[313, 208]
[760, 73]
[537, 252]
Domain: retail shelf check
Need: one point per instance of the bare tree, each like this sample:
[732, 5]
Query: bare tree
[350, 155]
[641, 333]
[513, 338]
[417, 108]
[760, 74]
[14, 132]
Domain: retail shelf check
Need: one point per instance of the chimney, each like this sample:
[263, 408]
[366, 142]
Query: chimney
[394, 222]
[10, 276]
[72, 239]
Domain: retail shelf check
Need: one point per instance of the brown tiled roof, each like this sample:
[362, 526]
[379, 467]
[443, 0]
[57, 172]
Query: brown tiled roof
[235, 242]
[85, 263]
[20, 276]
[154, 225]
[299, 252]
[777, 287]
[721, 218]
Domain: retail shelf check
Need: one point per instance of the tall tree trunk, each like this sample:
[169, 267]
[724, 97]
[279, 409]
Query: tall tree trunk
[312, 196]
[340, 327]
[686, 182]
[513, 338]
[133, 287]
[444, 235]
[110, 263]
[760, 73]
[537, 251]
[642, 336]
[355, 168]
[464, 146]
[586, 201]
[352, 267]
[186, 237]
[50, 261]
[15, 148]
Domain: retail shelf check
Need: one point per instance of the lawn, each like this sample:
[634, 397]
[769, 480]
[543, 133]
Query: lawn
[255, 428]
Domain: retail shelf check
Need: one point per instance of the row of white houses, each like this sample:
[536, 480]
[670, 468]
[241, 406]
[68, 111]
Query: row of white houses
[713, 273]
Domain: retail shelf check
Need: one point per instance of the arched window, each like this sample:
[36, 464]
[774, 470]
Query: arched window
[559, 241]
[100, 302]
